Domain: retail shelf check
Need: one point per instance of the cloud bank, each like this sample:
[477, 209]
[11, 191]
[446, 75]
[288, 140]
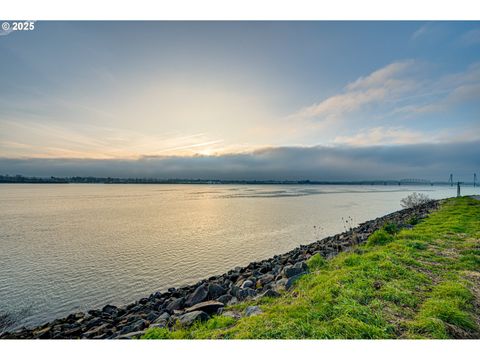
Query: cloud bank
[430, 161]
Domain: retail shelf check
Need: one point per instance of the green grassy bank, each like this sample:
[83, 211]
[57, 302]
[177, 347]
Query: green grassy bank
[414, 283]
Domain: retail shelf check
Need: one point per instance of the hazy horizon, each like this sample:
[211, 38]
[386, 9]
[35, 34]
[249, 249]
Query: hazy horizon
[351, 164]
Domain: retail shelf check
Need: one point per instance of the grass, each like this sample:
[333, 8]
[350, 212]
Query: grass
[417, 283]
[380, 237]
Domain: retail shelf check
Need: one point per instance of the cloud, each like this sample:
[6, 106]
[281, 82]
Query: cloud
[387, 136]
[433, 31]
[379, 77]
[421, 31]
[382, 136]
[441, 94]
[52, 140]
[398, 89]
[341, 162]
[385, 84]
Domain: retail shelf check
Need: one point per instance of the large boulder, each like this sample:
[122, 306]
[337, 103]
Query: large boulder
[247, 284]
[265, 279]
[152, 315]
[189, 318]
[162, 319]
[136, 326]
[175, 304]
[242, 294]
[200, 294]
[234, 290]
[110, 310]
[210, 307]
[294, 270]
[225, 298]
[215, 291]
[233, 276]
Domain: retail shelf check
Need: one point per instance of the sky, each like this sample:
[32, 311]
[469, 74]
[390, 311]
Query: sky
[241, 100]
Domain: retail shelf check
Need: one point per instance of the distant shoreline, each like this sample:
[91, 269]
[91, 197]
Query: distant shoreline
[20, 179]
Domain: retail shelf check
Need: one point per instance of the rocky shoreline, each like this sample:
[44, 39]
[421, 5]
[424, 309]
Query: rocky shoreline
[208, 297]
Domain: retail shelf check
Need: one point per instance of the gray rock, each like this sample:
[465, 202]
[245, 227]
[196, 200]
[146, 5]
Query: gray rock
[232, 314]
[191, 317]
[162, 318]
[175, 304]
[210, 307]
[153, 315]
[137, 308]
[247, 284]
[136, 326]
[72, 332]
[96, 331]
[233, 301]
[253, 310]
[242, 294]
[215, 291]
[132, 335]
[225, 298]
[265, 279]
[75, 317]
[110, 309]
[42, 333]
[276, 269]
[239, 282]
[269, 293]
[234, 290]
[292, 281]
[101, 336]
[158, 325]
[95, 313]
[280, 284]
[297, 269]
[93, 322]
[200, 294]
[131, 318]
[250, 293]
[301, 265]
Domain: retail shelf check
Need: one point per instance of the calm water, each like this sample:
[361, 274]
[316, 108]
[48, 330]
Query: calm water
[66, 248]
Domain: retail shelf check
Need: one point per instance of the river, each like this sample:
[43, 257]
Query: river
[74, 247]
